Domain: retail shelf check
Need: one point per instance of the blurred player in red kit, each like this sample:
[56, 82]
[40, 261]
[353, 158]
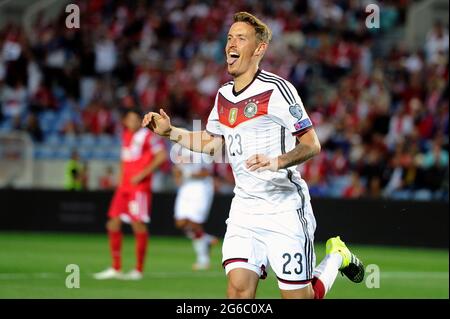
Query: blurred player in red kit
[142, 153]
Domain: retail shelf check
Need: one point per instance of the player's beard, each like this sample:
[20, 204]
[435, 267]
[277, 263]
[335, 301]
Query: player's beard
[243, 64]
[235, 70]
[234, 74]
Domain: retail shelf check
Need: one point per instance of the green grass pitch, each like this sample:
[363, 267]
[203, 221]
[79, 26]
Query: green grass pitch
[33, 265]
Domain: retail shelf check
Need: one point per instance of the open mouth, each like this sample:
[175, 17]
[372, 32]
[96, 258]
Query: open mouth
[232, 58]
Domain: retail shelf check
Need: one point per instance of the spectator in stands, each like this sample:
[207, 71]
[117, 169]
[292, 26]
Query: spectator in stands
[374, 189]
[70, 128]
[356, 188]
[14, 100]
[167, 53]
[42, 99]
[400, 125]
[437, 42]
[338, 164]
[74, 173]
[371, 165]
[105, 53]
[33, 128]
[436, 156]
[434, 165]
[97, 118]
[16, 123]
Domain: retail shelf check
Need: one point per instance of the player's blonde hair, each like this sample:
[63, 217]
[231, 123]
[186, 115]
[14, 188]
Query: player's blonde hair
[263, 32]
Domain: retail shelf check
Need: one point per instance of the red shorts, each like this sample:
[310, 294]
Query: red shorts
[131, 205]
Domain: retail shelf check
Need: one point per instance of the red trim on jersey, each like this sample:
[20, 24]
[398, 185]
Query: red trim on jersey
[301, 132]
[225, 107]
[245, 260]
[233, 260]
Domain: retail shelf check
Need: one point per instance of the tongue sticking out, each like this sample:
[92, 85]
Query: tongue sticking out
[231, 60]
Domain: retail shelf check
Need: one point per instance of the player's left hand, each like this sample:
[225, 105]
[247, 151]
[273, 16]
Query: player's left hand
[260, 162]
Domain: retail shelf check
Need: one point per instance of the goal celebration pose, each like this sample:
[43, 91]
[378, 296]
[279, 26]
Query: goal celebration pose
[260, 120]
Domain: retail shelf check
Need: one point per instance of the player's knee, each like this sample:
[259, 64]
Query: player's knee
[239, 290]
[195, 227]
[113, 224]
[139, 227]
[304, 293]
[181, 223]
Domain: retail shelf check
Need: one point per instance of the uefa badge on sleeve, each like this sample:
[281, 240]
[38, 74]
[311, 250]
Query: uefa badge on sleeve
[302, 124]
[296, 111]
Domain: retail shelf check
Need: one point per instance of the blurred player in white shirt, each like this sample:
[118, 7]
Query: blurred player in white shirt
[193, 174]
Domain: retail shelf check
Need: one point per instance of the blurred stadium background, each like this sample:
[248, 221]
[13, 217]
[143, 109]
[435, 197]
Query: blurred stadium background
[377, 97]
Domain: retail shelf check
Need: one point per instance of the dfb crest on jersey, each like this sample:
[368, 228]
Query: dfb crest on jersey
[250, 110]
[233, 115]
[296, 111]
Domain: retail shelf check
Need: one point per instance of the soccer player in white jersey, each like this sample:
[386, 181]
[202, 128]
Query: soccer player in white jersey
[193, 174]
[260, 120]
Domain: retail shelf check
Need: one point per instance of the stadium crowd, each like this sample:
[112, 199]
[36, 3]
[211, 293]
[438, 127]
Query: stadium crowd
[381, 113]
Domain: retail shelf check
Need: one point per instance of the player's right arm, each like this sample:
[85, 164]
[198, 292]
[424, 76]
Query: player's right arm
[198, 141]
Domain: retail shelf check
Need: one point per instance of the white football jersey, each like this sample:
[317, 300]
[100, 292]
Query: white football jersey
[263, 118]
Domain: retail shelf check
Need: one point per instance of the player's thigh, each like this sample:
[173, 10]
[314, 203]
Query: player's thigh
[138, 226]
[114, 224]
[290, 250]
[240, 249]
[306, 292]
[242, 283]
[119, 204]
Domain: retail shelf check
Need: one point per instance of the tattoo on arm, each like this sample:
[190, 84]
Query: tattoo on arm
[301, 153]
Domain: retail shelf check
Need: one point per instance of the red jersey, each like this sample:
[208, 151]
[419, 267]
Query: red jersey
[137, 152]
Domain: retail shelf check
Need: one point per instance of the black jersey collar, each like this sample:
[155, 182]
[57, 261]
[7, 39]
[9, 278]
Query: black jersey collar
[247, 86]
